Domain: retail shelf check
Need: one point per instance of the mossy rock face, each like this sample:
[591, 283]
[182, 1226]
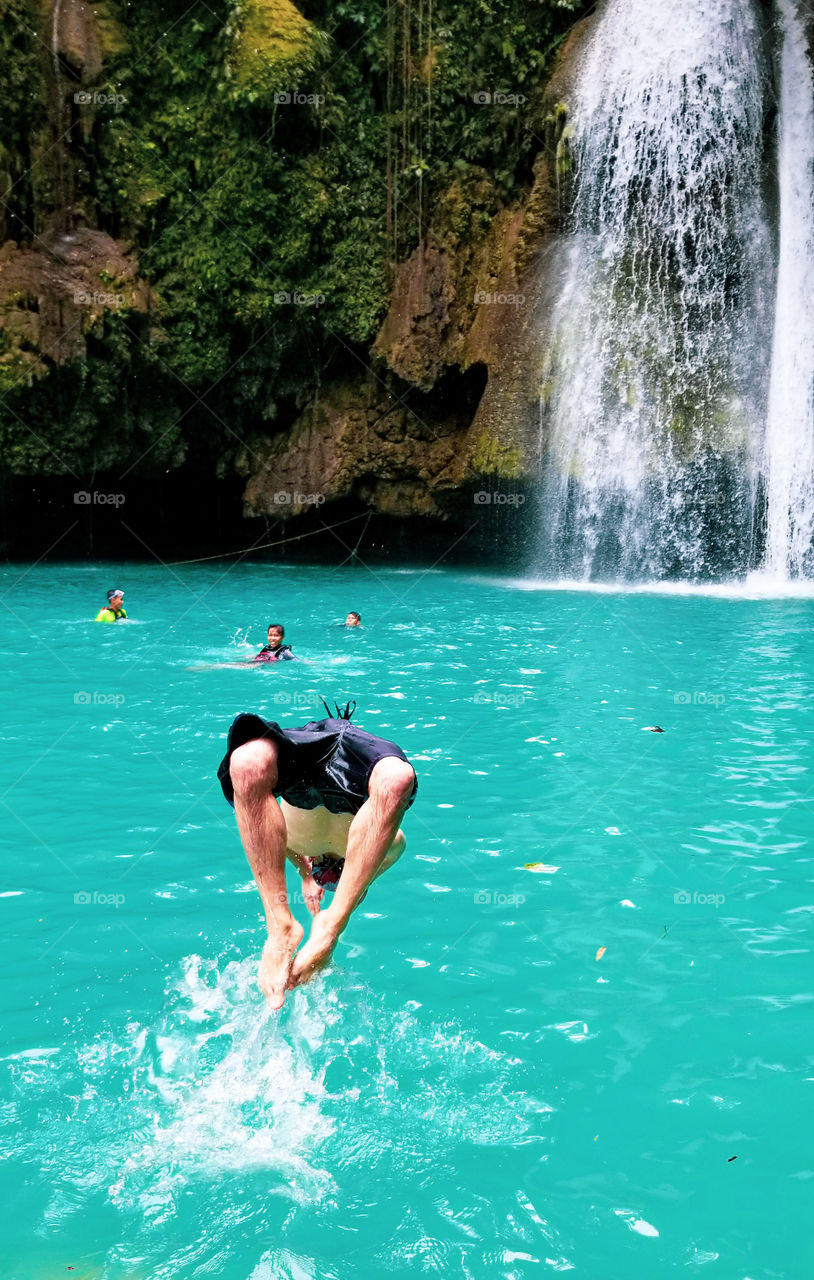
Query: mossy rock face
[464, 210]
[273, 46]
[491, 457]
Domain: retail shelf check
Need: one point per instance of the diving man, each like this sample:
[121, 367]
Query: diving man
[342, 794]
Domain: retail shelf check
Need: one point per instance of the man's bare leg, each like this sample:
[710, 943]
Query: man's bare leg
[253, 770]
[370, 836]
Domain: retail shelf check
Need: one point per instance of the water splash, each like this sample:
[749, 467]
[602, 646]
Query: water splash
[225, 1092]
[790, 431]
[654, 388]
[279, 1111]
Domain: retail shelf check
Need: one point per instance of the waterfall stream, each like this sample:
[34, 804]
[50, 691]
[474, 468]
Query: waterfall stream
[790, 427]
[656, 378]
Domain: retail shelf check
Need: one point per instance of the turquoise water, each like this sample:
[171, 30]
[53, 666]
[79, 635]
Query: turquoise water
[469, 1090]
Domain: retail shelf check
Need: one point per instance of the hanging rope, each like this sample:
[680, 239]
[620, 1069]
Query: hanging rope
[354, 552]
[263, 546]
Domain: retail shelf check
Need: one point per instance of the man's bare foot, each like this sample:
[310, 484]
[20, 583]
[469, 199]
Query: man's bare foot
[316, 953]
[275, 963]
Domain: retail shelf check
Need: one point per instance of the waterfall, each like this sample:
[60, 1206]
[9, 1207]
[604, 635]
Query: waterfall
[655, 380]
[790, 428]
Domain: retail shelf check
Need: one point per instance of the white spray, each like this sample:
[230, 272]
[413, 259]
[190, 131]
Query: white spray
[654, 391]
[790, 430]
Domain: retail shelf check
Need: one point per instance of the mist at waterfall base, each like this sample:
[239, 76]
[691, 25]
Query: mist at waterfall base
[596, 1065]
[677, 409]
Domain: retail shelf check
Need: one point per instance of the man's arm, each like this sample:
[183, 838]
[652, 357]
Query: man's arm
[312, 892]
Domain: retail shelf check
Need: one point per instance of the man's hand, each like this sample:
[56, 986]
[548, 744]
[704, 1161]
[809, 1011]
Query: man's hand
[312, 893]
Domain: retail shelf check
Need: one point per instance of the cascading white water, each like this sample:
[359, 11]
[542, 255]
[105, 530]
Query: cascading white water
[654, 387]
[790, 428]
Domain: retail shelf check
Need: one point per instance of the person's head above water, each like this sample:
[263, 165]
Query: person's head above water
[353, 620]
[276, 635]
[115, 597]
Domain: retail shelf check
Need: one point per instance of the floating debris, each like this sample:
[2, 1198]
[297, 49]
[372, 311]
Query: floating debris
[639, 1225]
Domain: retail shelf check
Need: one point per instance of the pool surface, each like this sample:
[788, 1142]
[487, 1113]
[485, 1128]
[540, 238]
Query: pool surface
[600, 1064]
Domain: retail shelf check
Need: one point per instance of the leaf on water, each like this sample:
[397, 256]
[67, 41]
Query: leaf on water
[639, 1225]
[600, 953]
[643, 1228]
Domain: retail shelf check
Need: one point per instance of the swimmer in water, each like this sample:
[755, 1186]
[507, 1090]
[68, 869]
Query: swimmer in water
[275, 650]
[114, 609]
[353, 620]
[342, 793]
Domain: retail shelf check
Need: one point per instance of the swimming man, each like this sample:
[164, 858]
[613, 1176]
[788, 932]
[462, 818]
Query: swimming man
[114, 609]
[275, 650]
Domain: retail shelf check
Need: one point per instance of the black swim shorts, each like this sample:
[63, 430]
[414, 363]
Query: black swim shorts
[326, 762]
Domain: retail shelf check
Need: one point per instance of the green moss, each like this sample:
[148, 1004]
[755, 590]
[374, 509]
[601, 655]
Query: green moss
[563, 154]
[272, 47]
[558, 115]
[112, 35]
[464, 210]
[17, 369]
[491, 457]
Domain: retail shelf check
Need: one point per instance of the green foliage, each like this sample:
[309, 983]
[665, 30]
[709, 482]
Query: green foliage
[24, 105]
[234, 199]
[98, 414]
